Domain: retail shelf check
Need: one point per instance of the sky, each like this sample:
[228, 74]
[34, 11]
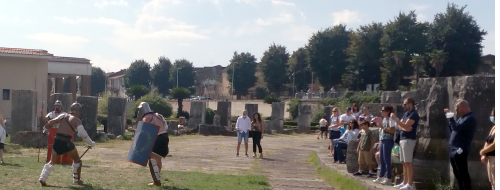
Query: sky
[114, 33]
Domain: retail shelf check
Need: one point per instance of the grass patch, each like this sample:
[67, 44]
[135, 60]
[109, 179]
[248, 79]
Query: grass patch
[23, 173]
[335, 179]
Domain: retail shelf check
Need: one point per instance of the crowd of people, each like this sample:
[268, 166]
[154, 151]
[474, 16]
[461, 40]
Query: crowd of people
[397, 140]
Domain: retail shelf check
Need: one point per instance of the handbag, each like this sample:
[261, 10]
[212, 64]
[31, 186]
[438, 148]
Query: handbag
[250, 134]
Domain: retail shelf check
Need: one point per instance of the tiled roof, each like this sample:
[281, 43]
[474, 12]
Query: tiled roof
[21, 51]
[71, 58]
[117, 74]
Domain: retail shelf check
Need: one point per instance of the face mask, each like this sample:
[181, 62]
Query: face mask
[492, 119]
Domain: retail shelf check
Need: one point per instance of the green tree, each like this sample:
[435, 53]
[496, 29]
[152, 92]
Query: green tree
[417, 62]
[156, 103]
[97, 81]
[327, 54]
[364, 57]
[457, 34]
[137, 91]
[438, 59]
[161, 74]
[185, 74]
[138, 74]
[244, 65]
[398, 57]
[298, 69]
[403, 34]
[179, 94]
[274, 66]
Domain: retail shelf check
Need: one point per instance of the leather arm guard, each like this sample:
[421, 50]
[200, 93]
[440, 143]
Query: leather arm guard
[85, 137]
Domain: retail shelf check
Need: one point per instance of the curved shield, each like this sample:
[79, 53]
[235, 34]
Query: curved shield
[144, 138]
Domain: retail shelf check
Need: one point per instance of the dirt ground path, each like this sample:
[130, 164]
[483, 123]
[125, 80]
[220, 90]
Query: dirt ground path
[285, 158]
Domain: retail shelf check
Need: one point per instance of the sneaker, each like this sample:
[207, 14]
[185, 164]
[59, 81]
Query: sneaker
[357, 173]
[237, 154]
[246, 155]
[386, 181]
[378, 180]
[400, 185]
[407, 187]
[370, 175]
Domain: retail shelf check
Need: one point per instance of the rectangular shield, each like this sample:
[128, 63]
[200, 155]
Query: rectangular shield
[142, 145]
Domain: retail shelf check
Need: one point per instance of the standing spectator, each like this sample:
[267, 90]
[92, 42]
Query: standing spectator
[462, 132]
[365, 116]
[323, 129]
[355, 110]
[258, 133]
[387, 129]
[3, 135]
[345, 118]
[243, 126]
[351, 134]
[334, 129]
[408, 134]
[488, 152]
[365, 150]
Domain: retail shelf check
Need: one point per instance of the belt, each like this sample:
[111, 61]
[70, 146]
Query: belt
[162, 132]
[62, 137]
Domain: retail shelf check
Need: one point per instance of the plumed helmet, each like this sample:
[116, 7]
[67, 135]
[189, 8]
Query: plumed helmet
[142, 109]
[75, 107]
[58, 103]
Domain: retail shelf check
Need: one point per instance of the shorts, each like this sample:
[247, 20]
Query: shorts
[334, 134]
[323, 129]
[242, 135]
[160, 147]
[2, 146]
[406, 148]
[364, 157]
[62, 144]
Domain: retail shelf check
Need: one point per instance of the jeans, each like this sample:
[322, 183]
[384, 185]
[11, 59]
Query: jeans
[243, 135]
[385, 158]
[461, 170]
[256, 137]
[338, 155]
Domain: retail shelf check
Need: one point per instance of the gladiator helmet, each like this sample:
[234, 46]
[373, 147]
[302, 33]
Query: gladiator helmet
[58, 103]
[143, 109]
[75, 107]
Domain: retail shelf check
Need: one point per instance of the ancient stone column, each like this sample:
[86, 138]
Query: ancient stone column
[251, 109]
[224, 110]
[391, 97]
[117, 115]
[304, 119]
[197, 114]
[24, 110]
[277, 116]
[66, 99]
[85, 85]
[88, 114]
[59, 85]
[72, 86]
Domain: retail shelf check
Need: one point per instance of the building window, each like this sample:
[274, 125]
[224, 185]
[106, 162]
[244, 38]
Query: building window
[6, 94]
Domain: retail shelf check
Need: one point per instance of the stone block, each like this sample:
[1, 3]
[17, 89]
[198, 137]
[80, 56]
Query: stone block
[277, 116]
[251, 109]
[197, 114]
[304, 118]
[393, 97]
[24, 111]
[205, 129]
[32, 139]
[172, 125]
[65, 98]
[224, 110]
[216, 120]
[117, 115]
[268, 127]
[351, 156]
[88, 114]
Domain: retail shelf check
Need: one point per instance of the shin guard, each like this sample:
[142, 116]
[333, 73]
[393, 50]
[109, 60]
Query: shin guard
[155, 171]
[77, 170]
[47, 168]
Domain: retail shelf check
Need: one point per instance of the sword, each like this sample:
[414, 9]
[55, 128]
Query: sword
[89, 147]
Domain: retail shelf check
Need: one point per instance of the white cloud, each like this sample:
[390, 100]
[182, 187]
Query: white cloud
[173, 34]
[299, 33]
[248, 29]
[2, 17]
[184, 44]
[281, 19]
[421, 17]
[152, 22]
[302, 15]
[278, 2]
[57, 38]
[489, 43]
[108, 65]
[101, 20]
[345, 17]
[102, 3]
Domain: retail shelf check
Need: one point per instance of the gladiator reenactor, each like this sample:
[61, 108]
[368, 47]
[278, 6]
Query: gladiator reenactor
[160, 147]
[53, 114]
[68, 125]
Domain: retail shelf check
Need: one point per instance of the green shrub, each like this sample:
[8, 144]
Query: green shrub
[261, 93]
[137, 91]
[349, 99]
[183, 113]
[318, 115]
[101, 117]
[102, 106]
[293, 107]
[209, 115]
[156, 103]
[270, 99]
[291, 123]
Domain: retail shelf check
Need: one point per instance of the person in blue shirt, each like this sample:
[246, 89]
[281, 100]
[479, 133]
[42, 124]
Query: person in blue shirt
[462, 133]
[407, 128]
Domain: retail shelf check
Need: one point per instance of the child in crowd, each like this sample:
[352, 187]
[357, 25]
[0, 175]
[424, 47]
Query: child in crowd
[365, 150]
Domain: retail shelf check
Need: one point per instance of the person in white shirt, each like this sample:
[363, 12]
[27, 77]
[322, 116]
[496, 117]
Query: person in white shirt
[355, 110]
[345, 118]
[322, 126]
[243, 127]
[3, 135]
[351, 134]
[334, 129]
[53, 114]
